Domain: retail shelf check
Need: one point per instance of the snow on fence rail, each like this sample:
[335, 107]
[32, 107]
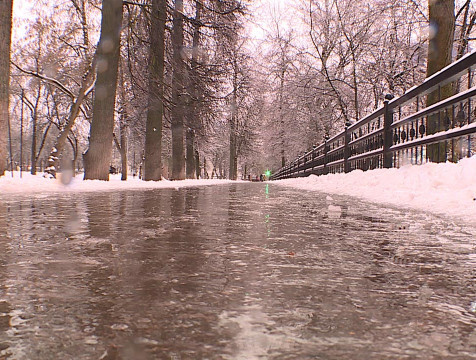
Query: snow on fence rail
[398, 133]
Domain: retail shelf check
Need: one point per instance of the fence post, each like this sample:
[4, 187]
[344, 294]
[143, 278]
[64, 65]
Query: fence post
[346, 147]
[387, 132]
[326, 149]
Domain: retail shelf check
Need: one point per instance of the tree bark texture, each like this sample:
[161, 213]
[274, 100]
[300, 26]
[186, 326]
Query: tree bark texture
[34, 125]
[281, 117]
[234, 125]
[98, 157]
[190, 153]
[178, 95]
[440, 46]
[197, 164]
[155, 112]
[233, 148]
[193, 122]
[123, 151]
[6, 7]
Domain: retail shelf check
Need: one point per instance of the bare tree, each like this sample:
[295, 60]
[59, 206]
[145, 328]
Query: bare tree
[123, 122]
[63, 63]
[193, 122]
[178, 93]
[155, 111]
[6, 8]
[440, 48]
[466, 27]
[98, 157]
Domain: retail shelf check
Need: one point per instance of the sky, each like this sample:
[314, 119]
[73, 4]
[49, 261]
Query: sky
[262, 11]
[21, 13]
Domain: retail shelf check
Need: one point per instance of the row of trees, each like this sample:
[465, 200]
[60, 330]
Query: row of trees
[176, 88]
[163, 75]
[346, 55]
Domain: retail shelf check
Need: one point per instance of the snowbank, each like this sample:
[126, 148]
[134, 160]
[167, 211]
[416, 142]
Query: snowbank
[448, 188]
[439, 188]
[38, 184]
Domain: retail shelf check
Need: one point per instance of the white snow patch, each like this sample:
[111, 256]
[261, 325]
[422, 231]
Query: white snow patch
[446, 188]
[37, 184]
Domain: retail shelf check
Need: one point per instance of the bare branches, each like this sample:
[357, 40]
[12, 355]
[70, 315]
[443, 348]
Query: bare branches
[49, 80]
[133, 3]
[324, 68]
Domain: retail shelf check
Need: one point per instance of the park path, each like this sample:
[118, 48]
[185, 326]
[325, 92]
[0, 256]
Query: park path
[240, 271]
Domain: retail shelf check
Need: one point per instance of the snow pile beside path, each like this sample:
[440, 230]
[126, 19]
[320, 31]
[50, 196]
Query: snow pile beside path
[440, 188]
[38, 184]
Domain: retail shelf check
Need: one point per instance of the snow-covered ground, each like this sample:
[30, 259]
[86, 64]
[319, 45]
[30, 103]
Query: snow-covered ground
[448, 188]
[38, 184]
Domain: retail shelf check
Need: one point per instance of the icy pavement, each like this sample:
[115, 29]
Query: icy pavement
[240, 271]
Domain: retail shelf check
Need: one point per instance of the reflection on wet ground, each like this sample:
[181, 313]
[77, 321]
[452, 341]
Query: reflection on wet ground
[242, 271]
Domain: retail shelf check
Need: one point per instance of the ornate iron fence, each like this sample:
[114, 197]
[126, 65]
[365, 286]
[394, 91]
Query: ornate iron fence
[398, 133]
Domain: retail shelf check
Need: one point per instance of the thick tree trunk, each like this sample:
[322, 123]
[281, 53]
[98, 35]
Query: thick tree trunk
[6, 7]
[442, 23]
[178, 94]
[98, 157]
[155, 112]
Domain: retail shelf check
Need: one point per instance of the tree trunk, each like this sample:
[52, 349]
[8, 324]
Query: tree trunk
[282, 132]
[192, 118]
[155, 112]
[34, 135]
[232, 172]
[69, 165]
[86, 83]
[197, 164]
[55, 154]
[6, 7]
[178, 95]
[98, 157]
[123, 151]
[33, 144]
[190, 154]
[442, 23]
[233, 126]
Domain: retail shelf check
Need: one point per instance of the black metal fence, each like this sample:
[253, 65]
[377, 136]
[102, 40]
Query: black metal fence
[398, 133]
